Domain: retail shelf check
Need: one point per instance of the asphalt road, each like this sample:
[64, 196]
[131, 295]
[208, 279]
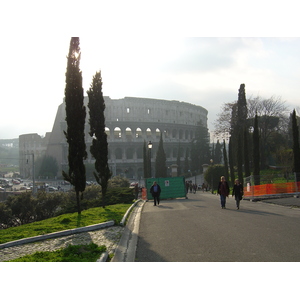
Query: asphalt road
[198, 230]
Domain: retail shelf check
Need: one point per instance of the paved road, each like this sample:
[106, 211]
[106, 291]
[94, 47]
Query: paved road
[198, 230]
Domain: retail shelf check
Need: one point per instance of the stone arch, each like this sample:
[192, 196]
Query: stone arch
[148, 134]
[118, 153]
[180, 134]
[138, 133]
[129, 153]
[139, 152]
[107, 131]
[187, 135]
[117, 133]
[157, 133]
[166, 133]
[174, 133]
[128, 133]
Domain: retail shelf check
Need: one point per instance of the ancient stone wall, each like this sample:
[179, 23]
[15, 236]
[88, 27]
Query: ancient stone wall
[129, 123]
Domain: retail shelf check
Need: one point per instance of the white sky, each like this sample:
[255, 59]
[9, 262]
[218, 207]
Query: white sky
[144, 51]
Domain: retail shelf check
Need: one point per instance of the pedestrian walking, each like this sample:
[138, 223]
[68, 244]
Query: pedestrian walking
[136, 191]
[155, 191]
[195, 188]
[223, 191]
[238, 192]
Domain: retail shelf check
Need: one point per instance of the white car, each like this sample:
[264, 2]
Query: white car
[52, 189]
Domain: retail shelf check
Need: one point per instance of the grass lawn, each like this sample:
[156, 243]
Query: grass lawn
[67, 221]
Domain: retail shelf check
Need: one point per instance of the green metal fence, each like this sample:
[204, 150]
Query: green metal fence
[171, 187]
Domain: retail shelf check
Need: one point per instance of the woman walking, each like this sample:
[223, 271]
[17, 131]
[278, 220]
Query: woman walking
[223, 191]
[238, 192]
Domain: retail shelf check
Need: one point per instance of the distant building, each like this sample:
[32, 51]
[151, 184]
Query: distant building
[31, 146]
[129, 123]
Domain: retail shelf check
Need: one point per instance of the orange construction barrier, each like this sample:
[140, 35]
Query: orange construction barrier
[144, 194]
[271, 189]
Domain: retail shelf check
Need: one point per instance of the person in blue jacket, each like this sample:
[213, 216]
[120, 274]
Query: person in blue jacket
[155, 192]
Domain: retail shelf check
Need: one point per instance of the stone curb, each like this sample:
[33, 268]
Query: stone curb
[57, 234]
[123, 221]
[103, 257]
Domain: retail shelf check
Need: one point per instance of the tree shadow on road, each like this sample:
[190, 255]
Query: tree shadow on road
[255, 212]
[145, 254]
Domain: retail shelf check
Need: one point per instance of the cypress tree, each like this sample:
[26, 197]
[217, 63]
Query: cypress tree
[225, 161]
[99, 147]
[178, 161]
[246, 153]
[241, 117]
[145, 161]
[231, 163]
[296, 149]
[75, 118]
[256, 152]
[160, 162]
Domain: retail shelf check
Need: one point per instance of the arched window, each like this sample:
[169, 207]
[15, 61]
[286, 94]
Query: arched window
[128, 133]
[148, 133]
[117, 133]
[157, 133]
[138, 133]
[107, 131]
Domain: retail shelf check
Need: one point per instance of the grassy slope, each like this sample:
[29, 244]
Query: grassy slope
[64, 222]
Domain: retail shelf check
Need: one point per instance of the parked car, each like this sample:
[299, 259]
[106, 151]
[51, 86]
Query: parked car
[52, 189]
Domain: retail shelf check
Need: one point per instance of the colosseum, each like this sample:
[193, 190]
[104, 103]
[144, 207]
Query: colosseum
[130, 122]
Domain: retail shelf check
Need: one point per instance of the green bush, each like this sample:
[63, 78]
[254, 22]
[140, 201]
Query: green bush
[24, 208]
[48, 204]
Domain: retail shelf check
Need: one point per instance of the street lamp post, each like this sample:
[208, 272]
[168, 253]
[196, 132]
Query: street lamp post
[212, 161]
[149, 147]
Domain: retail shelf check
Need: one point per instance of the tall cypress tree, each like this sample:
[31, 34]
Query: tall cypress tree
[240, 126]
[225, 161]
[256, 152]
[296, 148]
[246, 153]
[99, 147]
[231, 162]
[160, 162]
[75, 118]
[178, 161]
[145, 161]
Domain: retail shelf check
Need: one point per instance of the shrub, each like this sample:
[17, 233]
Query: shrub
[22, 208]
[118, 181]
[48, 204]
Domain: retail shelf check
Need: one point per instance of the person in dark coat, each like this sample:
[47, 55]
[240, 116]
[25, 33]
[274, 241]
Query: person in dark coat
[155, 191]
[223, 191]
[238, 192]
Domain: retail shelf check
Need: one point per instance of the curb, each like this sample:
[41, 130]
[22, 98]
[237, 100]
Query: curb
[123, 221]
[57, 234]
[104, 256]
[125, 251]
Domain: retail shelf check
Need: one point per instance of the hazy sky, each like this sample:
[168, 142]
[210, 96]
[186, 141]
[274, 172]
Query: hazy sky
[206, 71]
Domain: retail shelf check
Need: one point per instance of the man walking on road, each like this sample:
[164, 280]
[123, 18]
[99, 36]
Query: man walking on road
[223, 191]
[155, 191]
